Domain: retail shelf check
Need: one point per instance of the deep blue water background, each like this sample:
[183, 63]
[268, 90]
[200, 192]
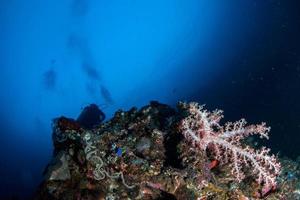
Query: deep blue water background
[57, 56]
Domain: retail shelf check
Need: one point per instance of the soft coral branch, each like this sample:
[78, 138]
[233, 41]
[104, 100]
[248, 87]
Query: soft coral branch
[203, 130]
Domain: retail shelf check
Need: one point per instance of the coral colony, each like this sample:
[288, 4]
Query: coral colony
[158, 152]
[202, 129]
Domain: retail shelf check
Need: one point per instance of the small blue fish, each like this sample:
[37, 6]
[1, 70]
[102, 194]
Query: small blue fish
[119, 152]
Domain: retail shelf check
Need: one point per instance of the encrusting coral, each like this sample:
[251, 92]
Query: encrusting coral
[158, 152]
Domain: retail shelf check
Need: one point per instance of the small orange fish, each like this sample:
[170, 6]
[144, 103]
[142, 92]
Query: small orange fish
[213, 164]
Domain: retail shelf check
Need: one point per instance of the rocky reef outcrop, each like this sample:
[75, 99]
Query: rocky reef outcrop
[142, 154]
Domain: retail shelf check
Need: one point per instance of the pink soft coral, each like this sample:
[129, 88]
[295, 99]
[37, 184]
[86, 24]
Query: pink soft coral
[203, 130]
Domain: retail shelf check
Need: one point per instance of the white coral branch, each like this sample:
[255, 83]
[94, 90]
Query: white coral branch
[202, 129]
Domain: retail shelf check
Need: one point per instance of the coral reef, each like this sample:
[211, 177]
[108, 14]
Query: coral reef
[158, 152]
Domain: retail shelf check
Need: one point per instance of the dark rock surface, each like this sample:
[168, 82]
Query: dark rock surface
[90, 117]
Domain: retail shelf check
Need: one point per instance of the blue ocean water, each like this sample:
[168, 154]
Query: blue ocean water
[58, 56]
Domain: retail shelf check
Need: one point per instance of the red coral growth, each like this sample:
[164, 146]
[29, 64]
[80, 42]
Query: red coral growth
[68, 124]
